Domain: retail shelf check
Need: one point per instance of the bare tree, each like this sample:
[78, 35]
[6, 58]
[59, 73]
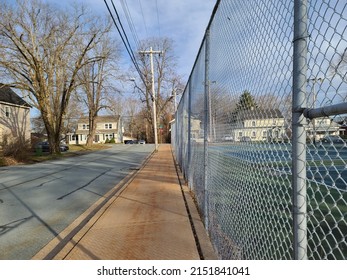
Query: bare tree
[96, 89]
[73, 114]
[338, 69]
[166, 80]
[42, 49]
[132, 111]
[339, 66]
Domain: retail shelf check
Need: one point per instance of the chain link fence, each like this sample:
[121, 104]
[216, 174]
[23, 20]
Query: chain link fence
[260, 132]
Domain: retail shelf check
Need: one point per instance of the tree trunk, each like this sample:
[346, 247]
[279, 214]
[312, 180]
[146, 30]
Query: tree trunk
[92, 129]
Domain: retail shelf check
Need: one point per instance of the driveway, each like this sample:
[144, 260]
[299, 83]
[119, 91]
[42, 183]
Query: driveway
[38, 201]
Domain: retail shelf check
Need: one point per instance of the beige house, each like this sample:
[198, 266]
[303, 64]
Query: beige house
[14, 116]
[197, 132]
[107, 128]
[320, 127]
[259, 125]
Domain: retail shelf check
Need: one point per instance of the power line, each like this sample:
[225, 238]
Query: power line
[121, 25]
[124, 38]
[143, 17]
[130, 23]
[156, 4]
[125, 35]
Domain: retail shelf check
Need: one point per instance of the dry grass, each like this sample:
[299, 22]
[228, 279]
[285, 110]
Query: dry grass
[74, 150]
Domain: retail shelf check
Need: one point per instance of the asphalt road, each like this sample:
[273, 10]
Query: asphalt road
[38, 201]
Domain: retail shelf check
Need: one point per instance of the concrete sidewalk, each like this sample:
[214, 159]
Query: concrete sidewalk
[150, 218]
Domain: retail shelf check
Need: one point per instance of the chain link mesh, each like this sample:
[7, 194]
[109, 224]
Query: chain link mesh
[233, 131]
[327, 150]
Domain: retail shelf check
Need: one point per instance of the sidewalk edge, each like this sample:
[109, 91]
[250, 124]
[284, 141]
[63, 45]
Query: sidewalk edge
[63, 243]
[202, 239]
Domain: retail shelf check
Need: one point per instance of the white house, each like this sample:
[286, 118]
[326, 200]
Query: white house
[107, 128]
[259, 125]
[320, 127]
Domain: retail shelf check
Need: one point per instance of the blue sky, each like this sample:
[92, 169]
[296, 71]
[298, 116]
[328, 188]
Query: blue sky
[184, 21]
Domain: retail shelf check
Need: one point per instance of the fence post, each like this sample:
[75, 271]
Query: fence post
[189, 131]
[298, 130]
[206, 128]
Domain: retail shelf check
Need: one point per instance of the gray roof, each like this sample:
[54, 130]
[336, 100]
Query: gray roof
[259, 114]
[100, 119]
[9, 96]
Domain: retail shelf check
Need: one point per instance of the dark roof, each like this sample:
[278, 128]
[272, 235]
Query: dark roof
[100, 119]
[98, 131]
[259, 114]
[9, 96]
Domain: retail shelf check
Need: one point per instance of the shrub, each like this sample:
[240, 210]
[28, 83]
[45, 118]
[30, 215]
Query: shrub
[2, 160]
[15, 147]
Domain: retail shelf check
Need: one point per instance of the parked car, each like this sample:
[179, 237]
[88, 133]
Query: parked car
[130, 142]
[44, 146]
[332, 139]
[245, 139]
[142, 142]
[64, 147]
[227, 138]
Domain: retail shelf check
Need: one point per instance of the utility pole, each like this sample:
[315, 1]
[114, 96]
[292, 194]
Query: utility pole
[151, 52]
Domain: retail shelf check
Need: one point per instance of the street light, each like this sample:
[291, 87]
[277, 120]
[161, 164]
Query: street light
[135, 85]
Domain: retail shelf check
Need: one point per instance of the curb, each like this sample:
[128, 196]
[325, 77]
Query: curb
[60, 246]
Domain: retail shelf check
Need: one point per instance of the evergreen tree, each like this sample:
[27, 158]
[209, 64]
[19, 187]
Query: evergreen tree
[246, 102]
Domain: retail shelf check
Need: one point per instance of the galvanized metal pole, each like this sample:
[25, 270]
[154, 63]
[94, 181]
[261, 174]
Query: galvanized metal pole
[298, 130]
[206, 121]
[189, 130]
[332, 110]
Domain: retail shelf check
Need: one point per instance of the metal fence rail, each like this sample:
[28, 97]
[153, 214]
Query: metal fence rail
[260, 132]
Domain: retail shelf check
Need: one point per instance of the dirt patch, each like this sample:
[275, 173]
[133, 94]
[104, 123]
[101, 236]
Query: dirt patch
[6, 161]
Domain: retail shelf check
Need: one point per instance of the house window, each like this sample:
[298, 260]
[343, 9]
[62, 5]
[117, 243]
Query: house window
[7, 112]
[264, 134]
[240, 134]
[109, 136]
[108, 125]
[254, 134]
[85, 126]
[253, 123]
